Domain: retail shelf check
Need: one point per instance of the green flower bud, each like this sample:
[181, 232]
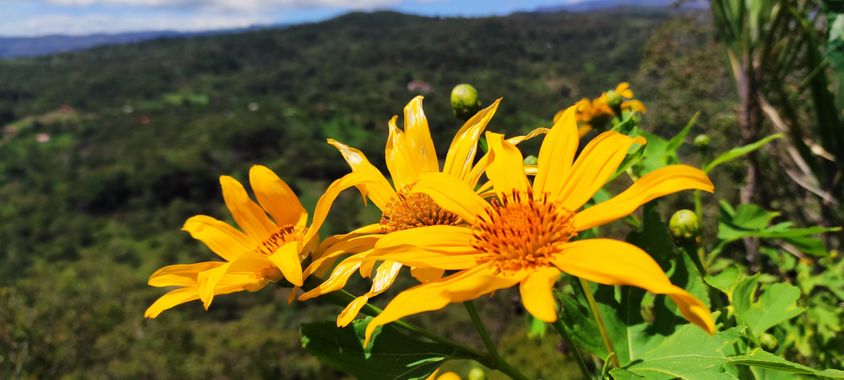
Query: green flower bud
[465, 101]
[768, 342]
[684, 225]
[701, 141]
[614, 100]
[477, 374]
[531, 160]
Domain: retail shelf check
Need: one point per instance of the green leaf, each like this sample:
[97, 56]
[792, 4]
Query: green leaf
[776, 304]
[393, 355]
[537, 328]
[739, 152]
[725, 280]
[760, 358]
[689, 353]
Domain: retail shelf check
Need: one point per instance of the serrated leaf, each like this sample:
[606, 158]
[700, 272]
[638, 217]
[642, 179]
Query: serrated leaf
[394, 355]
[760, 358]
[776, 304]
[689, 353]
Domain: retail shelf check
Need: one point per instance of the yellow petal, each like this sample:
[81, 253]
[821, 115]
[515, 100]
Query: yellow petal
[557, 154]
[180, 274]
[276, 196]
[506, 168]
[655, 184]
[451, 194]
[207, 283]
[366, 268]
[623, 89]
[327, 199]
[218, 236]
[351, 311]
[480, 167]
[401, 161]
[449, 376]
[171, 299]
[536, 290]
[443, 247]
[464, 146]
[459, 287]
[594, 166]
[355, 244]
[384, 277]
[418, 137]
[613, 262]
[378, 190]
[286, 258]
[339, 276]
[427, 274]
[249, 216]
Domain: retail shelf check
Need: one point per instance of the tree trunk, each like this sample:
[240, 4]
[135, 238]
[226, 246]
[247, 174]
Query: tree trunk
[749, 121]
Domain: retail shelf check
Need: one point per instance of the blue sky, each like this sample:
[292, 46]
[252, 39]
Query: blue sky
[75, 17]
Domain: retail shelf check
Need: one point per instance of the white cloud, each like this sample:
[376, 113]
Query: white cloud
[233, 4]
[107, 23]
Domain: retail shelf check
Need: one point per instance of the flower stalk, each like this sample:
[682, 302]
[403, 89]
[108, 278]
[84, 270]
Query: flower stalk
[593, 306]
[498, 362]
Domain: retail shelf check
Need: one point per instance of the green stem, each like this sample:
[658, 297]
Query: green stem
[342, 298]
[561, 329]
[701, 253]
[587, 290]
[500, 363]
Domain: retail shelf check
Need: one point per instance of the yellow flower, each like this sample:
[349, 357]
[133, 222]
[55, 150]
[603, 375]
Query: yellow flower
[266, 250]
[596, 113]
[444, 376]
[524, 235]
[409, 153]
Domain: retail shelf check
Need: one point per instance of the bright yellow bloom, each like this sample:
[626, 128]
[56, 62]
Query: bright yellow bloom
[266, 250]
[596, 113]
[409, 153]
[524, 235]
[444, 376]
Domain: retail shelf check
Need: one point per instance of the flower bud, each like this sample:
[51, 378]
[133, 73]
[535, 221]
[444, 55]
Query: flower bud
[684, 225]
[701, 141]
[531, 160]
[465, 101]
[614, 99]
[477, 374]
[768, 342]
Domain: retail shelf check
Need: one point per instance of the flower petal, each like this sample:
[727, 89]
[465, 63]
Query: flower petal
[613, 262]
[596, 163]
[276, 196]
[536, 290]
[418, 137]
[339, 276]
[286, 258]
[464, 146]
[207, 283]
[378, 190]
[384, 277]
[459, 287]
[451, 194]
[443, 247]
[506, 168]
[480, 167]
[351, 311]
[221, 238]
[427, 274]
[172, 299]
[556, 154]
[327, 199]
[180, 274]
[249, 216]
[655, 184]
[402, 163]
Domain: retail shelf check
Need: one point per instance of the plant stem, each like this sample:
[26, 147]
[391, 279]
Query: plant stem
[561, 329]
[587, 291]
[499, 362]
[701, 253]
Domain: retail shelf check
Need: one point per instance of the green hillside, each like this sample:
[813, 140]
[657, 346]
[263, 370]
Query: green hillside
[138, 135]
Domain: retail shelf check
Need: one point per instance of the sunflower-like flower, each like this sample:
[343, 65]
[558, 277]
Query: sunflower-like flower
[409, 154]
[525, 234]
[597, 113]
[266, 250]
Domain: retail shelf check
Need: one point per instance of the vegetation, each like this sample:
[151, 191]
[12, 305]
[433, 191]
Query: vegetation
[105, 153]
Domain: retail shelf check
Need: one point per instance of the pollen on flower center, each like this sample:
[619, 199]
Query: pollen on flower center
[411, 210]
[284, 234]
[520, 232]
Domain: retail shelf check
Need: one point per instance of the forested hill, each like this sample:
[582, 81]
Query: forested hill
[104, 153]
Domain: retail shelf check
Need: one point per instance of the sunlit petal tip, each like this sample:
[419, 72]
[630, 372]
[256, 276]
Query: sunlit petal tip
[351, 311]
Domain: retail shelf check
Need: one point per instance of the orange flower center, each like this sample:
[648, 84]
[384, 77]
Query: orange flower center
[410, 210]
[519, 232]
[284, 234]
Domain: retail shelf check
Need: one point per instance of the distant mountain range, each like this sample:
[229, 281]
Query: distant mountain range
[17, 47]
